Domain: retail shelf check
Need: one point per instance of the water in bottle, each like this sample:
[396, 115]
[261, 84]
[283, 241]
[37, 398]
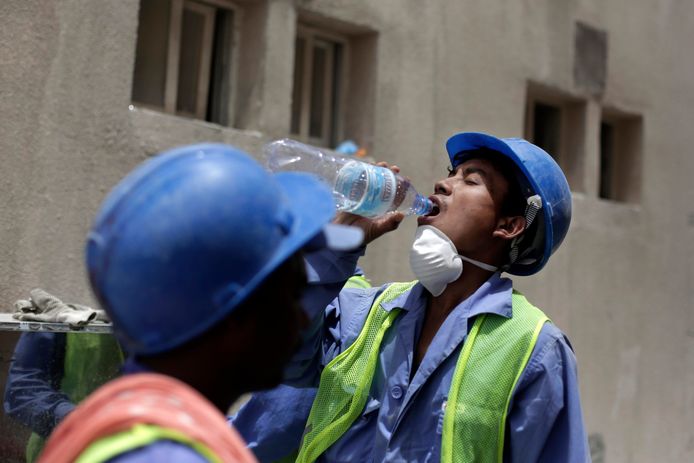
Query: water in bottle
[358, 187]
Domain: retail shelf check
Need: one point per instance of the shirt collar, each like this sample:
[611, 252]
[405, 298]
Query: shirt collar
[494, 296]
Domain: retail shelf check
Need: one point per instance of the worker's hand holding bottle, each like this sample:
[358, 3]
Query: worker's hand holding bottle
[377, 226]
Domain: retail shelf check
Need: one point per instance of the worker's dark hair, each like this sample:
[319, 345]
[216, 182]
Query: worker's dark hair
[514, 202]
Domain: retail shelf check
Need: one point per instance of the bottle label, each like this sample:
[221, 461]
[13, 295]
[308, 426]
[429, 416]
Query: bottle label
[367, 190]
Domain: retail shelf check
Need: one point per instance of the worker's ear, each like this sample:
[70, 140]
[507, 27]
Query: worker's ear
[509, 227]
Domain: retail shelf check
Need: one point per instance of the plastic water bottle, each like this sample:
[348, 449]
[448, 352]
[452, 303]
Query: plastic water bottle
[358, 187]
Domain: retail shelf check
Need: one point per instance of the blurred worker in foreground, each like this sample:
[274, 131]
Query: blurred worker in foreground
[457, 366]
[285, 408]
[197, 258]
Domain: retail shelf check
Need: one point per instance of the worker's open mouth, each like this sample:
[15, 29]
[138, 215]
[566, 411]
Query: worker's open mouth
[434, 211]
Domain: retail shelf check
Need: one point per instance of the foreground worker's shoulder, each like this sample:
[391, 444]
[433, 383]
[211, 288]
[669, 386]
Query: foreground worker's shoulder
[164, 451]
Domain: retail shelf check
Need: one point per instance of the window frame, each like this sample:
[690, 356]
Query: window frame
[571, 154]
[209, 9]
[333, 98]
[626, 173]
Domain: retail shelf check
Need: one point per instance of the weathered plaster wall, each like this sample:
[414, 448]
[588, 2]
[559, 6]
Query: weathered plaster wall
[621, 286]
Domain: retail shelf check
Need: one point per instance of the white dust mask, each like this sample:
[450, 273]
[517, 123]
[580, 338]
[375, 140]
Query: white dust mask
[435, 260]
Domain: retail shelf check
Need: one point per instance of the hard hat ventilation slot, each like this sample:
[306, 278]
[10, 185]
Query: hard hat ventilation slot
[534, 204]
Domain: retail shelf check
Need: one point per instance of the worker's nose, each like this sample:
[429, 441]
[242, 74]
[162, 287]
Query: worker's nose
[442, 187]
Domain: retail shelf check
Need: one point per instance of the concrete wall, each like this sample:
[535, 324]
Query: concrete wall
[621, 285]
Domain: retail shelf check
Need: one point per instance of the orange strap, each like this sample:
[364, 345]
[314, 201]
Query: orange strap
[150, 399]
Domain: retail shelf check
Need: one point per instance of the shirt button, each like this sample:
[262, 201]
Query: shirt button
[396, 392]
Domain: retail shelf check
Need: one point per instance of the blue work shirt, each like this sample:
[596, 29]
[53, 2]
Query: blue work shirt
[403, 417]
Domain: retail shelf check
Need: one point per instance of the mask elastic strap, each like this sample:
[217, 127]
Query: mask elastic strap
[534, 204]
[479, 264]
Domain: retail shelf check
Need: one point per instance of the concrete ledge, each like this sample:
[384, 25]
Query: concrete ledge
[156, 131]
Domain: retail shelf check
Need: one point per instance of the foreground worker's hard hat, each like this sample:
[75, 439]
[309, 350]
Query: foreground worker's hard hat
[539, 175]
[188, 235]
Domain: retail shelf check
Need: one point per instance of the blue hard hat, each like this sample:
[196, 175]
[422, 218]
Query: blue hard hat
[539, 175]
[187, 236]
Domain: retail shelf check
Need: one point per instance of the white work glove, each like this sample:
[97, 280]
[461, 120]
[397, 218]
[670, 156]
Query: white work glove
[44, 307]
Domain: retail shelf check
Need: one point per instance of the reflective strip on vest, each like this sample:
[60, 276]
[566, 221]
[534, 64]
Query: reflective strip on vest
[358, 281]
[346, 380]
[355, 281]
[497, 350]
[140, 435]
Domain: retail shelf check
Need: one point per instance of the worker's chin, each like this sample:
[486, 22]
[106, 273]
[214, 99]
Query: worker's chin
[425, 220]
